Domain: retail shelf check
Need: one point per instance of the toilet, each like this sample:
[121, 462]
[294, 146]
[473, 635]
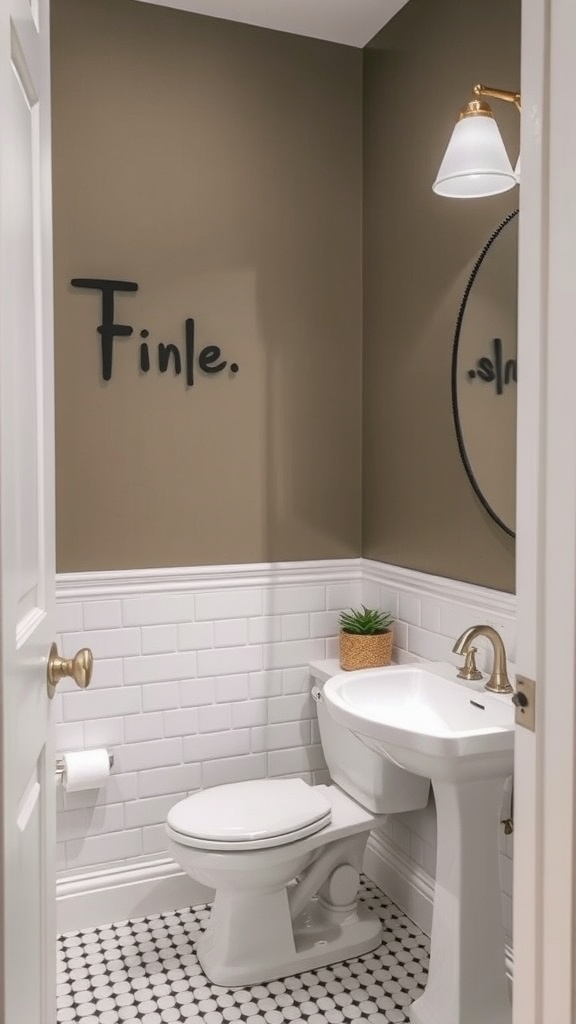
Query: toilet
[285, 859]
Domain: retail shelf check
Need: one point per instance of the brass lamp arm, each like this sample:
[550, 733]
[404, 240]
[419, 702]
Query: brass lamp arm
[498, 94]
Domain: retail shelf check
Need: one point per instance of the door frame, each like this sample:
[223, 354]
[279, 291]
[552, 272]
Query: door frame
[545, 818]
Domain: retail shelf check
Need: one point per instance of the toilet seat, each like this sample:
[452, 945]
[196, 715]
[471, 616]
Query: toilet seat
[249, 815]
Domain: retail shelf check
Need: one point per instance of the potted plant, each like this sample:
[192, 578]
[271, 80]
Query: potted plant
[365, 638]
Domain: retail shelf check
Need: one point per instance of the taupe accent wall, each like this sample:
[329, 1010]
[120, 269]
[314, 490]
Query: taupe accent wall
[419, 509]
[226, 169]
[219, 167]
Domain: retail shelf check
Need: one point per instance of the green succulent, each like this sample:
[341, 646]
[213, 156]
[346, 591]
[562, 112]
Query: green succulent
[366, 621]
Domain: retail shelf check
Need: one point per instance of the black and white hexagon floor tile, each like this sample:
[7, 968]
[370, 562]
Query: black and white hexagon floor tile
[146, 971]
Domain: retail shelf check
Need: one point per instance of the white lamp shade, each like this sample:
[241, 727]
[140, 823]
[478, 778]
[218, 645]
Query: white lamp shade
[517, 170]
[475, 163]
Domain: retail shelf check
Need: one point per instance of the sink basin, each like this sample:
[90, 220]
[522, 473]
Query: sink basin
[426, 720]
[460, 736]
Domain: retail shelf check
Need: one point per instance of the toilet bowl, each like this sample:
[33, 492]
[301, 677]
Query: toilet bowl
[285, 859]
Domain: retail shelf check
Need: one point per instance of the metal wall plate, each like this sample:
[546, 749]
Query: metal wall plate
[526, 710]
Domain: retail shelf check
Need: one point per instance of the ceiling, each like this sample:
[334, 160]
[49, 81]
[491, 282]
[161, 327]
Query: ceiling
[354, 22]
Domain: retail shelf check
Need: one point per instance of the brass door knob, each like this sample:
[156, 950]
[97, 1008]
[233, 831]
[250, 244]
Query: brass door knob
[78, 668]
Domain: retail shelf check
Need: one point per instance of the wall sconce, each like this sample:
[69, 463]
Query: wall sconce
[476, 163]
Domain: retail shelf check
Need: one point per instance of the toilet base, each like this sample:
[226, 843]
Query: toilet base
[317, 940]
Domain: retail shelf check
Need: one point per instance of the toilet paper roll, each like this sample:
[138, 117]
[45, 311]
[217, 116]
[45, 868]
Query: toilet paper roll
[85, 769]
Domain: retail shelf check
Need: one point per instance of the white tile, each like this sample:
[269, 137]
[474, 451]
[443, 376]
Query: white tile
[181, 722]
[154, 839]
[69, 736]
[159, 608]
[409, 609]
[400, 635]
[249, 712]
[370, 594]
[228, 604]
[298, 759]
[102, 614]
[195, 636]
[214, 718]
[416, 850]
[117, 789]
[274, 737]
[314, 732]
[107, 672]
[213, 745]
[429, 614]
[265, 684]
[68, 616]
[296, 627]
[297, 680]
[343, 595]
[430, 860]
[286, 655]
[229, 660]
[230, 632]
[104, 643]
[144, 727]
[160, 668]
[401, 836]
[431, 646]
[321, 778]
[232, 688]
[90, 821]
[150, 811]
[291, 709]
[154, 754]
[455, 618]
[180, 779]
[234, 769]
[159, 639]
[98, 849]
[287, 599]
[195, 692]
[389, 601]
[332, 648]
[106, 732]
[110, 703]
[160, 696]
[324, 624]
[266, 629]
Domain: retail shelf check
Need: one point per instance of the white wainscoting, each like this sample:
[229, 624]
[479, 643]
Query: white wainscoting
[201, 677]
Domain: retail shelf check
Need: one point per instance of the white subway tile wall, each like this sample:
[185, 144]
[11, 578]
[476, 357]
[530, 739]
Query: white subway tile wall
[195, 684]
[203, 680]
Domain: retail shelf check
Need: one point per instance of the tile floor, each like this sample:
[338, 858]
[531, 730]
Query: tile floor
[146, 971]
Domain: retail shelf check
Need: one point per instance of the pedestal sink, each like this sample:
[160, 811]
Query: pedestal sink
[461, 737]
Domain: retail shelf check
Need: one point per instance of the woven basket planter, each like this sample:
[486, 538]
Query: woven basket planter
[359, 650]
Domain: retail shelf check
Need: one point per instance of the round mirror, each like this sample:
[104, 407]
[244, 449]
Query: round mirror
[484, 374]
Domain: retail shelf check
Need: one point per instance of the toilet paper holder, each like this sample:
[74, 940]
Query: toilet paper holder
[61, 767]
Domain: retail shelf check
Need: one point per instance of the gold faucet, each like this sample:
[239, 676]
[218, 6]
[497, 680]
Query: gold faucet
[498, 682]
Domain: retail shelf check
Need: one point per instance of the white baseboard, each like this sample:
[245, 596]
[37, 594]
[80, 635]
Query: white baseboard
[124, 893]
[407, 885]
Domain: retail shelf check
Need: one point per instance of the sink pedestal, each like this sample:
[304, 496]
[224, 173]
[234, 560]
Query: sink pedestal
[467, 978]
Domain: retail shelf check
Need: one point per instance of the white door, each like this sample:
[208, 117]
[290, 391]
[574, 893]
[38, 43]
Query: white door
[27, 980]
[545, 777]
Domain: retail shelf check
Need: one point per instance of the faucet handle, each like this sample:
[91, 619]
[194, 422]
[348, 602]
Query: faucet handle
[469, 669]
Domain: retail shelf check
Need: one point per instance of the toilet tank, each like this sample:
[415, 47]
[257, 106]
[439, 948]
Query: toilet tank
[376, 783]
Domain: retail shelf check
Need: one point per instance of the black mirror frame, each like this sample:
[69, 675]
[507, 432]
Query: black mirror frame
[460, 440]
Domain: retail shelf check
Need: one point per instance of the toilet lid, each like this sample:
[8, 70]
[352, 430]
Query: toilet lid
[250, 815]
